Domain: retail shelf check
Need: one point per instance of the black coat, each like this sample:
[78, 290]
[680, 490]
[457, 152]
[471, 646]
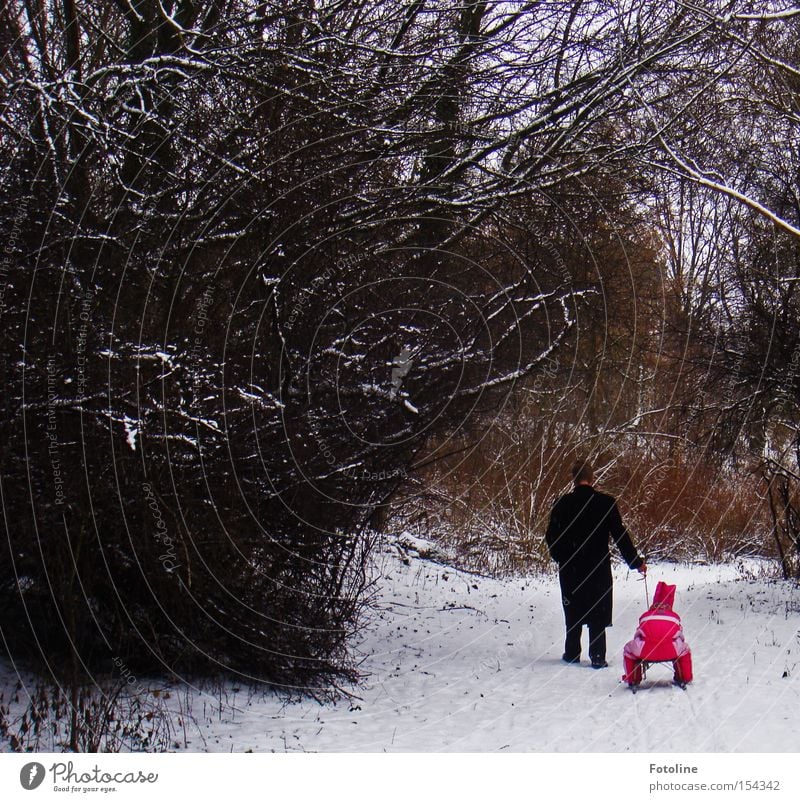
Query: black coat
[578, 538]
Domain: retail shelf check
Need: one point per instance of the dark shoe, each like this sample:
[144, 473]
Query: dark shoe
[599, 662]
[567, 659]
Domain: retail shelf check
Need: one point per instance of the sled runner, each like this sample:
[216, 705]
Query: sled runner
[639, 673]
[658, 639]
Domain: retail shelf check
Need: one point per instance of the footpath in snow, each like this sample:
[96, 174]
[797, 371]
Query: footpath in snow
[456, 662]
[463, 663]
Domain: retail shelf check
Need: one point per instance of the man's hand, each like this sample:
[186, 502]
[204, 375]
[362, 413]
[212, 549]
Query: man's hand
[642, 569]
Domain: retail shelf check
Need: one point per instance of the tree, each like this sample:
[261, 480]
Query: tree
[254, 270]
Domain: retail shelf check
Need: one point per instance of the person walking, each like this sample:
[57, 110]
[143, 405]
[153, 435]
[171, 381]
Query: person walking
[577, 537]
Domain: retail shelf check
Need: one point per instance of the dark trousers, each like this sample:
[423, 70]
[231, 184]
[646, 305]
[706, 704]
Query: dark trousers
[572, 644]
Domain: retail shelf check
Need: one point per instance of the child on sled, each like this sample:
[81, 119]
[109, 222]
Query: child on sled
[659, 639]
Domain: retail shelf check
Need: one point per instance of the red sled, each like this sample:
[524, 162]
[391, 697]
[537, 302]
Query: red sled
[658, 639]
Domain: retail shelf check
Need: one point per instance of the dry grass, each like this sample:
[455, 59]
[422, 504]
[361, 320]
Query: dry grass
[489, 505]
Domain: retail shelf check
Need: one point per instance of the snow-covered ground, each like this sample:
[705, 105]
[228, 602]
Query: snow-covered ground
[457, 662]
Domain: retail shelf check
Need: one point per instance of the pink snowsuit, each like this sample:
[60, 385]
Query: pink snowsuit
[658, 639]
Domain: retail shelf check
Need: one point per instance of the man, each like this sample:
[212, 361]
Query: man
[577, 537]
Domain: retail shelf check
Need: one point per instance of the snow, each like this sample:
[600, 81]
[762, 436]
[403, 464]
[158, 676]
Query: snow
[461, 662]
[131, 431]
[465, 663]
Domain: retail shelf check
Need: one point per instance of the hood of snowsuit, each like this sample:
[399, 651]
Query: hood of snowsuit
[664, 597]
